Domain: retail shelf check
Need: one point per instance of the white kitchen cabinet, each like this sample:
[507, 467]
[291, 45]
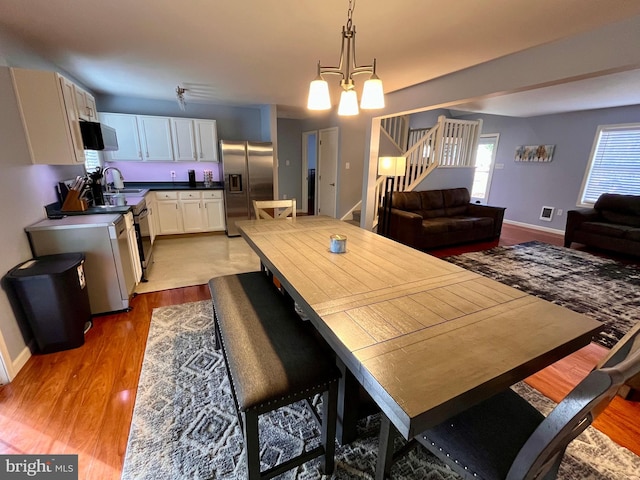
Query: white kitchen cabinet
[49, 116]
[192, 216]
[189, 211]
[169, 216]
[85, 104]
[150, 199]
[126, 127]
[184, 135]
[213, 210]
[133, 247]
[155, 138]
[206, 140]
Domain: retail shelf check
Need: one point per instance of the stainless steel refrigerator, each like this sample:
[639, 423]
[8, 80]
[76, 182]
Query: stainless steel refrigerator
[247, 170]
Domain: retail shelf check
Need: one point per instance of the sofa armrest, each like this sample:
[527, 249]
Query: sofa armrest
[405, 227]
[575, 218]
[497, 213]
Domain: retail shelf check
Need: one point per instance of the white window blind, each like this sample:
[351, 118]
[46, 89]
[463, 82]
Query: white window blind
[91, 160]
[614, 166]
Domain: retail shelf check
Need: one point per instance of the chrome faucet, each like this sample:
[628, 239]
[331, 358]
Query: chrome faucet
[120, 184]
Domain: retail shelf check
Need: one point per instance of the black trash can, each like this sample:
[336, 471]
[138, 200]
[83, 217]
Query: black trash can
[53, 294]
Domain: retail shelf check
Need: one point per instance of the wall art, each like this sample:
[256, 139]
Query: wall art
[534, 153]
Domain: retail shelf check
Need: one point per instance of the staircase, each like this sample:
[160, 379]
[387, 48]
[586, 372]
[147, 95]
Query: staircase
[451, 143]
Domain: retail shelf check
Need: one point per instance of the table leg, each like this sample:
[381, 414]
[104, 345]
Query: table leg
[348, 400]
[385, 448]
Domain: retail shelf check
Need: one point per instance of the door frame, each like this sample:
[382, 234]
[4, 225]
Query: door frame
[493, 164]
[303, 203]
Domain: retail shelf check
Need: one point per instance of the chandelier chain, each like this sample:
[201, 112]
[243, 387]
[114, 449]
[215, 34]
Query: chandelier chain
[352, 6]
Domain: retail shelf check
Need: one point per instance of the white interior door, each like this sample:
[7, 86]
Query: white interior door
[309, 168]
[327, 171]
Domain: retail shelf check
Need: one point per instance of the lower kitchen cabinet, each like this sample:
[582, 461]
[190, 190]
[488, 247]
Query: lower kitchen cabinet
[214, 210]
[190, 211]
[169, 217]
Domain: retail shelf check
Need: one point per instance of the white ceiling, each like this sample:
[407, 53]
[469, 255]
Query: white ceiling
[265, 51]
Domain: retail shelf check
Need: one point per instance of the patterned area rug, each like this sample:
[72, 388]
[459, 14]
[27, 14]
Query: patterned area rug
[603, 289]
[184, 424]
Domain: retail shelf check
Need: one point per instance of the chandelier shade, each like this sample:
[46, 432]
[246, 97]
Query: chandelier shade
[373, 92]
[319, 98]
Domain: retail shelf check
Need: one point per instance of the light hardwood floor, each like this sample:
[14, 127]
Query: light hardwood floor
[81, 401]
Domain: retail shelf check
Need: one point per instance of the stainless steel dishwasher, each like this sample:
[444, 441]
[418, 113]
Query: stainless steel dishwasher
[106, 243]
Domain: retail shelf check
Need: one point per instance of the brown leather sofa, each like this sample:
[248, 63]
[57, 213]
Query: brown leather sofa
[438, 218]
[612, 224]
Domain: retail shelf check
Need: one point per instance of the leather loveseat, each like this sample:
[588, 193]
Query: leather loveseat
[612, 224]
[437, 218]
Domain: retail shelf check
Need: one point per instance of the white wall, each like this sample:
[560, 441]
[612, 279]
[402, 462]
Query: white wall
[24, 190]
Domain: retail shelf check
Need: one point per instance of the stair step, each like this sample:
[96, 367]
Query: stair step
[356, 215]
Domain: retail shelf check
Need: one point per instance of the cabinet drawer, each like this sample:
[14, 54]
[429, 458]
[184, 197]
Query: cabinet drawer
[215, 194]
[189, 195]
[166, 195]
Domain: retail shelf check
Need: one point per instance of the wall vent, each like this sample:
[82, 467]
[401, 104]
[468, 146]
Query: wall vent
[546, 213]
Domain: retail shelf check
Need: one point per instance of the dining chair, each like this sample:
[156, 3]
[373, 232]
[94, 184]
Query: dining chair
[629, 343]
[505, 437]
[280, 209]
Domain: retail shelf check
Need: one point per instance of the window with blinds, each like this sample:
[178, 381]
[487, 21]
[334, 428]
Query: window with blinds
[614, 166]
[91, 160]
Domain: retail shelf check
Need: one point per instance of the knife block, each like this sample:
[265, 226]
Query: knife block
[73, 202]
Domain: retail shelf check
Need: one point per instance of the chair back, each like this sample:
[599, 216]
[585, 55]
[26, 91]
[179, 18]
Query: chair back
[543, 451]
[280, 209]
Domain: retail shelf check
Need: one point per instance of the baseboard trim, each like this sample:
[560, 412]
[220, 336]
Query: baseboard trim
[535, 227]
[20, 361]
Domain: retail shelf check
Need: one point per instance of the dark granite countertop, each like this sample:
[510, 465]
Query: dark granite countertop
[173, 185]
[54, 209]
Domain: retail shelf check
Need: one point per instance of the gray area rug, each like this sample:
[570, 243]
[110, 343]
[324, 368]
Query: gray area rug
[603, 289]
[184, 424]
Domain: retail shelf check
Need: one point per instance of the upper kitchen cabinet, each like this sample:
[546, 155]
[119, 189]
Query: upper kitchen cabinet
[155, 138]
[195, 140]
[206, 140]
[126, 127]
[140, 137]
[47, 103]
[86, 105]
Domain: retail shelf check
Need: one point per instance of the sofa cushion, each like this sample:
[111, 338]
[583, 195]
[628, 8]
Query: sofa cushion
[607, 229]
[431, 199]
[409, 201]
[619, 218]
[633, 234]
[481, 222]
[626, 204]
[448, 224]
[455, 197]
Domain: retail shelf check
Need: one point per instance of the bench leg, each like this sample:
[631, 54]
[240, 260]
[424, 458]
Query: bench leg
[329, 417]
[252, 444]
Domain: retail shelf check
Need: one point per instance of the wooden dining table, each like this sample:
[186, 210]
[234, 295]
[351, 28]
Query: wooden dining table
[425, 338]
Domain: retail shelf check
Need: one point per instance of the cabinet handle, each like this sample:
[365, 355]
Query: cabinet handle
[147, 153]
[201, 155]
[140, 153]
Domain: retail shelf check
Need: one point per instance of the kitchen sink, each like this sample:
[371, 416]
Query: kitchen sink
[132, 190]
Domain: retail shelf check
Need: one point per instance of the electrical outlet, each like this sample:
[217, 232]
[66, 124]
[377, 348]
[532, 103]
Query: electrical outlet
[173, 173]
[559, 212]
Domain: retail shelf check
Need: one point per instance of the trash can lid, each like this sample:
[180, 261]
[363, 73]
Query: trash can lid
[47, 265]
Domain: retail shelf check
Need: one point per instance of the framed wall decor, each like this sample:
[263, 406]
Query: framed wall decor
[534, 153]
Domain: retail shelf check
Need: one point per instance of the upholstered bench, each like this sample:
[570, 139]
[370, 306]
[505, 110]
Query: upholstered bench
[273, 360]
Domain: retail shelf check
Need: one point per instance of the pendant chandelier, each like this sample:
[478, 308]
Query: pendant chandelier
[372, 93]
